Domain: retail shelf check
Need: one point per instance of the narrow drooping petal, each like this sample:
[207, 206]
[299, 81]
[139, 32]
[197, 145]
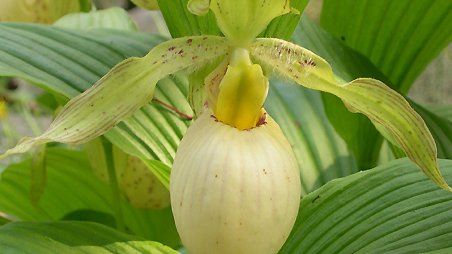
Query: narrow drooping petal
[367, 96]
[127, 87]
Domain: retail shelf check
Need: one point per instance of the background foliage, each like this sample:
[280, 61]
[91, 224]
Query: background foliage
[390, 208]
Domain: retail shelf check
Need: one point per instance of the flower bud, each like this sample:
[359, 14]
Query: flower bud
[234, 191]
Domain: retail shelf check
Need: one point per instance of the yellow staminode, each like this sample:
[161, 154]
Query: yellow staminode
[242, 92]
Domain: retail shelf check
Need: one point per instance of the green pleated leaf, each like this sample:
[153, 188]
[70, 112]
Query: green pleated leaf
[62, 61]
[440, 127]
[181, 22]
[321, 154]
[359, 133]
[113, 18]
[367, 96]
[38, 174]
[389, 209]
[72, 187]
[399, 37]
[443, 111]
[73, 237]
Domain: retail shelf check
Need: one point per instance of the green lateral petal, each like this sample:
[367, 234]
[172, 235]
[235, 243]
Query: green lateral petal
[124, 89]
[367, 96]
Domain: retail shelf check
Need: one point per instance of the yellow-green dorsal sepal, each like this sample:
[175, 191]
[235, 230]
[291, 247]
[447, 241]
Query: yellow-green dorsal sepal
[241, 21]
[242, 92]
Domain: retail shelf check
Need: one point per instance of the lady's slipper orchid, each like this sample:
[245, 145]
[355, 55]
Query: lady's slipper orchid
[234, 162]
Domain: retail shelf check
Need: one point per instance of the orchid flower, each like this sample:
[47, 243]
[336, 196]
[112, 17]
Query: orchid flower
[130, 84]
[234, 174]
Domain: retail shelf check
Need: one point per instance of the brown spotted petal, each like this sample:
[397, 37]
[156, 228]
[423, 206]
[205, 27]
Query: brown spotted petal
[370, 97]
[124, 89]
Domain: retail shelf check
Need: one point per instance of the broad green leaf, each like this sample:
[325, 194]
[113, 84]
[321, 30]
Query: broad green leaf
[443, 111]
[72, 186]
[91, 216]
[66, 62]
[441, 129]
[38, 175]
[4, 221]
[123, 90]
[359, 133]
[321, 154]
[113, 18]
[400, 37]
[73, 237]
[181, 22]
[389, 209]
[367, 96]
